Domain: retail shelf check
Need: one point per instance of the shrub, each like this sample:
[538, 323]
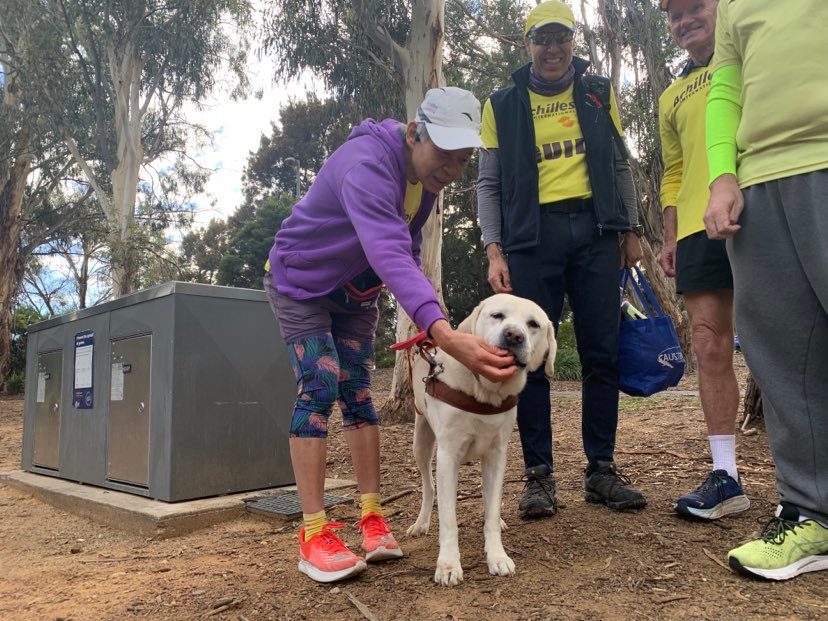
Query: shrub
[384, 359]
[565, 335]
[15, 383]
[567, 364]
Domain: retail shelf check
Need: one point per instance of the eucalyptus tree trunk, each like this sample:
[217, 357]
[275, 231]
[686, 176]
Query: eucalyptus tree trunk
[418, 65]
[12, 266]
[752, 409]
[125, 68]
[14, 170]
[611, 17]
[592, 43]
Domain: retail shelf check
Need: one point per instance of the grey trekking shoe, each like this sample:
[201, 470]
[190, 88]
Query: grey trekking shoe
[609, 487]
[538, 499]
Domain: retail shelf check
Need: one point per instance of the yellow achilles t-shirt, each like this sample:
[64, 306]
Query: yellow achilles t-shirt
[559, 144]
[413, 198]
[681, 119]
[782, 48]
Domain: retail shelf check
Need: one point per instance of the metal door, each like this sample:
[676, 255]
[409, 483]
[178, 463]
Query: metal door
[47, 410]
[127, 458]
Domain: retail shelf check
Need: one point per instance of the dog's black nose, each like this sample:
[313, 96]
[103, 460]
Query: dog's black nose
[514, 337]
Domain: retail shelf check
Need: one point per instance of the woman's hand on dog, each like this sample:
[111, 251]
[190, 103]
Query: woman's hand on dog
[480, 357]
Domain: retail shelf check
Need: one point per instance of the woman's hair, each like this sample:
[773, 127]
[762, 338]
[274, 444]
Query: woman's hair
[420, 132]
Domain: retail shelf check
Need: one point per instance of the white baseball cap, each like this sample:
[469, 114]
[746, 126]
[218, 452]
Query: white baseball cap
[452, 118]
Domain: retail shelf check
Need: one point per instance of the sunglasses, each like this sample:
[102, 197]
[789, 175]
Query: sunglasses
[547, 37]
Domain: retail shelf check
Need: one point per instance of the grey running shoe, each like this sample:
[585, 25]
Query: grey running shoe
[609, 487]
[538, 499]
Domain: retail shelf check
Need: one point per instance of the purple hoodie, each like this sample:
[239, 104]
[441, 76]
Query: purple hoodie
[351, 218]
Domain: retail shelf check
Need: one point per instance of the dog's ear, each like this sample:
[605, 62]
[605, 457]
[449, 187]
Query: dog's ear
[549, 367]
[467, 325]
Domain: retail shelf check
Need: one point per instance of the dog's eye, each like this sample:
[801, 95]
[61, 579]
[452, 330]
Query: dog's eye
[498, 316]
[533, 324]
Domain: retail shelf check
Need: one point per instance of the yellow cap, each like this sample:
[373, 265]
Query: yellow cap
[552, 12]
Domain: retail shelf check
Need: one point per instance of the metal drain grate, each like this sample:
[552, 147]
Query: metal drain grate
[286, 506]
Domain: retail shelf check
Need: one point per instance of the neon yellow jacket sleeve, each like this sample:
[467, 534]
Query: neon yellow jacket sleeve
[724, 111]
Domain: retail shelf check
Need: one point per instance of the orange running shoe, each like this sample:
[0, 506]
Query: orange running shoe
[326, 558]
[377, 541]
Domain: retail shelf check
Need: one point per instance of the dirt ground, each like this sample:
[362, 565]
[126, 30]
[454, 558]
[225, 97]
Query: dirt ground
[585, 563]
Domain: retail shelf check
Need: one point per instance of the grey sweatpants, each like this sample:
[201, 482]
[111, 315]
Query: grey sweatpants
[780, 273]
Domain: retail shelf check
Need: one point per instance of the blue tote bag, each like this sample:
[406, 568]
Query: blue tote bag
[649, 354]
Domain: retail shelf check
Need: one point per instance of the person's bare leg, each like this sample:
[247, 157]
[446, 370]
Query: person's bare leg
[364, 444]
[308, 458]
[711, 317]
[712, 323]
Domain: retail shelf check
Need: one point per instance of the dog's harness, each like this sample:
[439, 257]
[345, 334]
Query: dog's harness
[440, 390]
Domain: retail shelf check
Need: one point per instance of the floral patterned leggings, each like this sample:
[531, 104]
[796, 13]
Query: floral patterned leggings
[331, 369]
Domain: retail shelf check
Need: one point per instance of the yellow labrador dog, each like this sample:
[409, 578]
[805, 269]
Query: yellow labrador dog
[521, 327]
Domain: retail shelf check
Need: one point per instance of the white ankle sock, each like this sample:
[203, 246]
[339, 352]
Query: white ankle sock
[723, 450]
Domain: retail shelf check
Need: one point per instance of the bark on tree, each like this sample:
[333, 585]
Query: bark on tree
[12, 266]
[125, 68]
[753, 412]
[14, 170]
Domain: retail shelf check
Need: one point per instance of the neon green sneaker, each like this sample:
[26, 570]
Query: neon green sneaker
[786, 548]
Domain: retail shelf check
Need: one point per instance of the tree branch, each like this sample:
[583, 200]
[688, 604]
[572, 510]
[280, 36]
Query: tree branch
[380, 36]
[484, 27]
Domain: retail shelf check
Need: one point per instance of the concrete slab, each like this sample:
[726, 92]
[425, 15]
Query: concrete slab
[137, 514]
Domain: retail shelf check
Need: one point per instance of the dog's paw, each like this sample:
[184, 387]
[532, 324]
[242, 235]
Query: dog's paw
[418, 529]
[501, 565]
[503, 525]
[448, 574]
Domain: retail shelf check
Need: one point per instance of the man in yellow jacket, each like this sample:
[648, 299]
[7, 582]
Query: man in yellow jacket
[700, 265]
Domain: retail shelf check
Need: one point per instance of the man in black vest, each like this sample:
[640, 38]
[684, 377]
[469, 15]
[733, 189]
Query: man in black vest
[555, 195]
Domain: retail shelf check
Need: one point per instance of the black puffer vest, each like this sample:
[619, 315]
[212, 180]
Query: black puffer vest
[519, 203]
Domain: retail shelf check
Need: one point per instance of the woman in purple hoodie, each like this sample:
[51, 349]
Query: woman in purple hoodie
[360, 225]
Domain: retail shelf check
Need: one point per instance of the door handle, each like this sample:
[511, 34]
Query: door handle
[141, 407]
[55, 407]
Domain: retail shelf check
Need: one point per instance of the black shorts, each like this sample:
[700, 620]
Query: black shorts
[702, 264]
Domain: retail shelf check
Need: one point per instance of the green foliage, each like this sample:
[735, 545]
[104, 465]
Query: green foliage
[386, 331]
[24, 316]
[484, 44]
[384, 358]
[308, 131]
[202, 251]
[326, 38]
[464, 271]
[567, 362]
[565, 335]
[567, 365]
[243, 264]
[15, 383]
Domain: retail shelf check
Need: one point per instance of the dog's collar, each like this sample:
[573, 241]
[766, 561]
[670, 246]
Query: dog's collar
[462, 401]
